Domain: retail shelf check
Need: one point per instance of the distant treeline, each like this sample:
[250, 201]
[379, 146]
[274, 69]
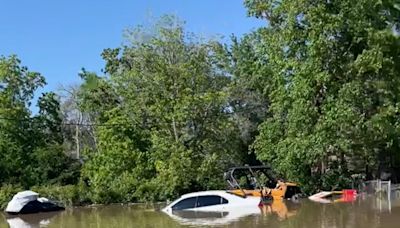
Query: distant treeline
[315, 93]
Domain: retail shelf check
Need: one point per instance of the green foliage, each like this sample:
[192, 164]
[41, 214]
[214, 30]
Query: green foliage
[30, 146]
[96, 95]
[333, 87]
[315, 93]
[67, 195]
[118, 166]
[171, 132]
[248, 89]
[7, 191]
[54, 167]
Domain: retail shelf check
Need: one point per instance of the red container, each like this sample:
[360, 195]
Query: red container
[349, 195]
[349, 192]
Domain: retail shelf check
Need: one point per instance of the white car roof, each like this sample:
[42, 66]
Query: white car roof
[25, 194]
[205, 193]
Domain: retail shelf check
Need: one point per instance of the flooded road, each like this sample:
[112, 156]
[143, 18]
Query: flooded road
[366, 213]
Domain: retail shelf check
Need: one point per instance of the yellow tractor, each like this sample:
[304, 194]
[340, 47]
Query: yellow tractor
[259, 181]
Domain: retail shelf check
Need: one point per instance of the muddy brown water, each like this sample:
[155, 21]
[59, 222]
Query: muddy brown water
[367, 213]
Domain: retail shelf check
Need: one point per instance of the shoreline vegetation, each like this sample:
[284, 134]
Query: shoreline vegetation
[315, 94]
[69, 196]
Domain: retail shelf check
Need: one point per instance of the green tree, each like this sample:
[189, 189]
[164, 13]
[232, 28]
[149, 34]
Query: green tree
[334, 91]
[121, 162]
[17, 86]
[30, 146]
[174, 103]
[248, 89]
[50, 164]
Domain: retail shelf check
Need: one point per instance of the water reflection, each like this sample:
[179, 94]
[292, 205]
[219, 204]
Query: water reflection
[368, 212]
[282, 209]
[197, 218]
[30, 220]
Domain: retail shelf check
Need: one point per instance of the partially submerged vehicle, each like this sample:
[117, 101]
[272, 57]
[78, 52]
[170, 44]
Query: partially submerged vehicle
[211, 208]
[251, 190]
[348, 195]
[27, 202]
[218, 200]
[216, 208]
[259, 181]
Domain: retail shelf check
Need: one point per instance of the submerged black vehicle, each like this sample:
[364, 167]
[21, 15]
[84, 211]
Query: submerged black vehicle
[28, 202]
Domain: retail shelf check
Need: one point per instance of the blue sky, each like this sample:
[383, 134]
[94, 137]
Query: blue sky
[58, 38]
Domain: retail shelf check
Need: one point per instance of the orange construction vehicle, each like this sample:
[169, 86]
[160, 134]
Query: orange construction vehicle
[259, 181]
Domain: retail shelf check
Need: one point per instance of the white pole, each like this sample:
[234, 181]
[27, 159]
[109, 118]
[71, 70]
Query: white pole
[389, 198]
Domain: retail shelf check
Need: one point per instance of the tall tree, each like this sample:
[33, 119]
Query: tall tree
[17, 87]
[248, 89]
[335, 87]
[30, 146]
[175, 99]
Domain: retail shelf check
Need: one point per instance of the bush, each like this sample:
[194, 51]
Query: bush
[69, 195]
[6, 193]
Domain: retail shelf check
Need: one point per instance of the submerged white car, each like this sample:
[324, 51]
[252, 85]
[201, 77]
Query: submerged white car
[217, 201]
[212, 208]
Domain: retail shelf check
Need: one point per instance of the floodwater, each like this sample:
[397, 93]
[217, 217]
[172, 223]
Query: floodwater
[370, 212]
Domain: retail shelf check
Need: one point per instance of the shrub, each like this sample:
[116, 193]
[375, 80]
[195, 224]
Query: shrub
[7, 191]
[69, 195]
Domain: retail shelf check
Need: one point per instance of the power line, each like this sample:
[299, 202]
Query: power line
[72, 124]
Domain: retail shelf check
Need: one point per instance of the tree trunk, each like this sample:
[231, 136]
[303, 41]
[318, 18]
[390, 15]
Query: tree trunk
[77, 141]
